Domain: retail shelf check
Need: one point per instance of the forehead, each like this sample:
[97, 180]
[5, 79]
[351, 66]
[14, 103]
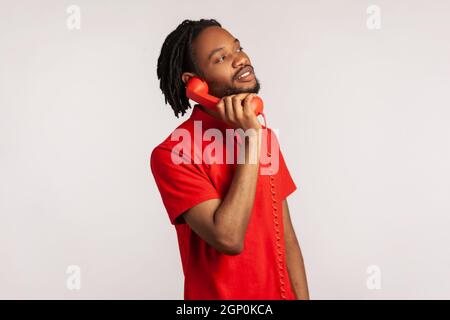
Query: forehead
[209, 39]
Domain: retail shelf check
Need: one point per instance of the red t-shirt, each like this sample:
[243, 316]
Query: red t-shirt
[259, 271]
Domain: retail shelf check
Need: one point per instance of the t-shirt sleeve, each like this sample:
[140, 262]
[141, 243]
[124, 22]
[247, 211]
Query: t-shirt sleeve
[288, 185]
[181, 186]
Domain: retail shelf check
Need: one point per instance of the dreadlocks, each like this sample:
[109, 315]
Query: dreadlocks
[175, 58]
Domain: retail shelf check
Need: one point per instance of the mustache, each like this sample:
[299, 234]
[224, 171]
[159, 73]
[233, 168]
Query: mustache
[247, 65]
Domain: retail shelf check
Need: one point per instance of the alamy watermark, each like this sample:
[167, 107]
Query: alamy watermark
[73, 281]
[185, 152]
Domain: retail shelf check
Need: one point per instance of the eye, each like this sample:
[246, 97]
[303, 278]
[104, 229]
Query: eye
[223, 57]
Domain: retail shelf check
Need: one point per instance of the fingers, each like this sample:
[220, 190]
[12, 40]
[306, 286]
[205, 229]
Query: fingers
[229, 113]
[232, 104]
[237, 110]
[247, 106]
[237, 105]
[221, 108]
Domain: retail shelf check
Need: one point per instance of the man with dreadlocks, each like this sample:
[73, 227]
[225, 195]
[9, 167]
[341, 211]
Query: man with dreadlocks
[233, 224]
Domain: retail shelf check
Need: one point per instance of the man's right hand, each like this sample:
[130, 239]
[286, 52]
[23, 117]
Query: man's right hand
[237, 111]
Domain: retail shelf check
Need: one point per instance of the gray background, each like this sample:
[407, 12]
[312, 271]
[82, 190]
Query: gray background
[362, 117]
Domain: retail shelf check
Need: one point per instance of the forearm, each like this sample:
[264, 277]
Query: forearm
[296, 269]
[233, 215]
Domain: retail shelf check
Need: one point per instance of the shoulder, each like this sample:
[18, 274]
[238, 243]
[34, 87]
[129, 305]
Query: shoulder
[178, 144]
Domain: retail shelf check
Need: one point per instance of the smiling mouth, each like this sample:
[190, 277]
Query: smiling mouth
[246, 76]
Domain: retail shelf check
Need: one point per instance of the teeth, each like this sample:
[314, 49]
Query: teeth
[244, 74]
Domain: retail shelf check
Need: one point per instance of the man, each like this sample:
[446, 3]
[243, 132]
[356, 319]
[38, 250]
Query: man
[233, 224]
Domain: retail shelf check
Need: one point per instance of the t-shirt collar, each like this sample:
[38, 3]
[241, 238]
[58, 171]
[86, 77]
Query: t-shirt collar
[208, 121]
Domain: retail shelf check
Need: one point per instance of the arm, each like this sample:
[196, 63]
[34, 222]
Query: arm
[294, 258]
[223, 224]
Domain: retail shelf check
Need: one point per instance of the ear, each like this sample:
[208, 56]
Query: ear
[186, 76]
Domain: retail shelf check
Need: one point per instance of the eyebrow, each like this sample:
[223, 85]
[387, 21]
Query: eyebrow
[218, 49]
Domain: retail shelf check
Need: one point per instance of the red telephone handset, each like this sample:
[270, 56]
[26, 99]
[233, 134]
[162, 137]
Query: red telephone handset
[197, 90]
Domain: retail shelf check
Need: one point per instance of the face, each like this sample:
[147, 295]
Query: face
[223, 63]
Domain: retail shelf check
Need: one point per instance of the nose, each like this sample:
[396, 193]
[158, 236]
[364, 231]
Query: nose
[240, 60]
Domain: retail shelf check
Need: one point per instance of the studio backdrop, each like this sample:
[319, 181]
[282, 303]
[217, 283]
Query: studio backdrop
[358, 92]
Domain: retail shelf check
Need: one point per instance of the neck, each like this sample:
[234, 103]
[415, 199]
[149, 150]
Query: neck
[213, 113]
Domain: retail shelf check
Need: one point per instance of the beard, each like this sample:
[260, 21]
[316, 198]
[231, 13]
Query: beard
[221, 91]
